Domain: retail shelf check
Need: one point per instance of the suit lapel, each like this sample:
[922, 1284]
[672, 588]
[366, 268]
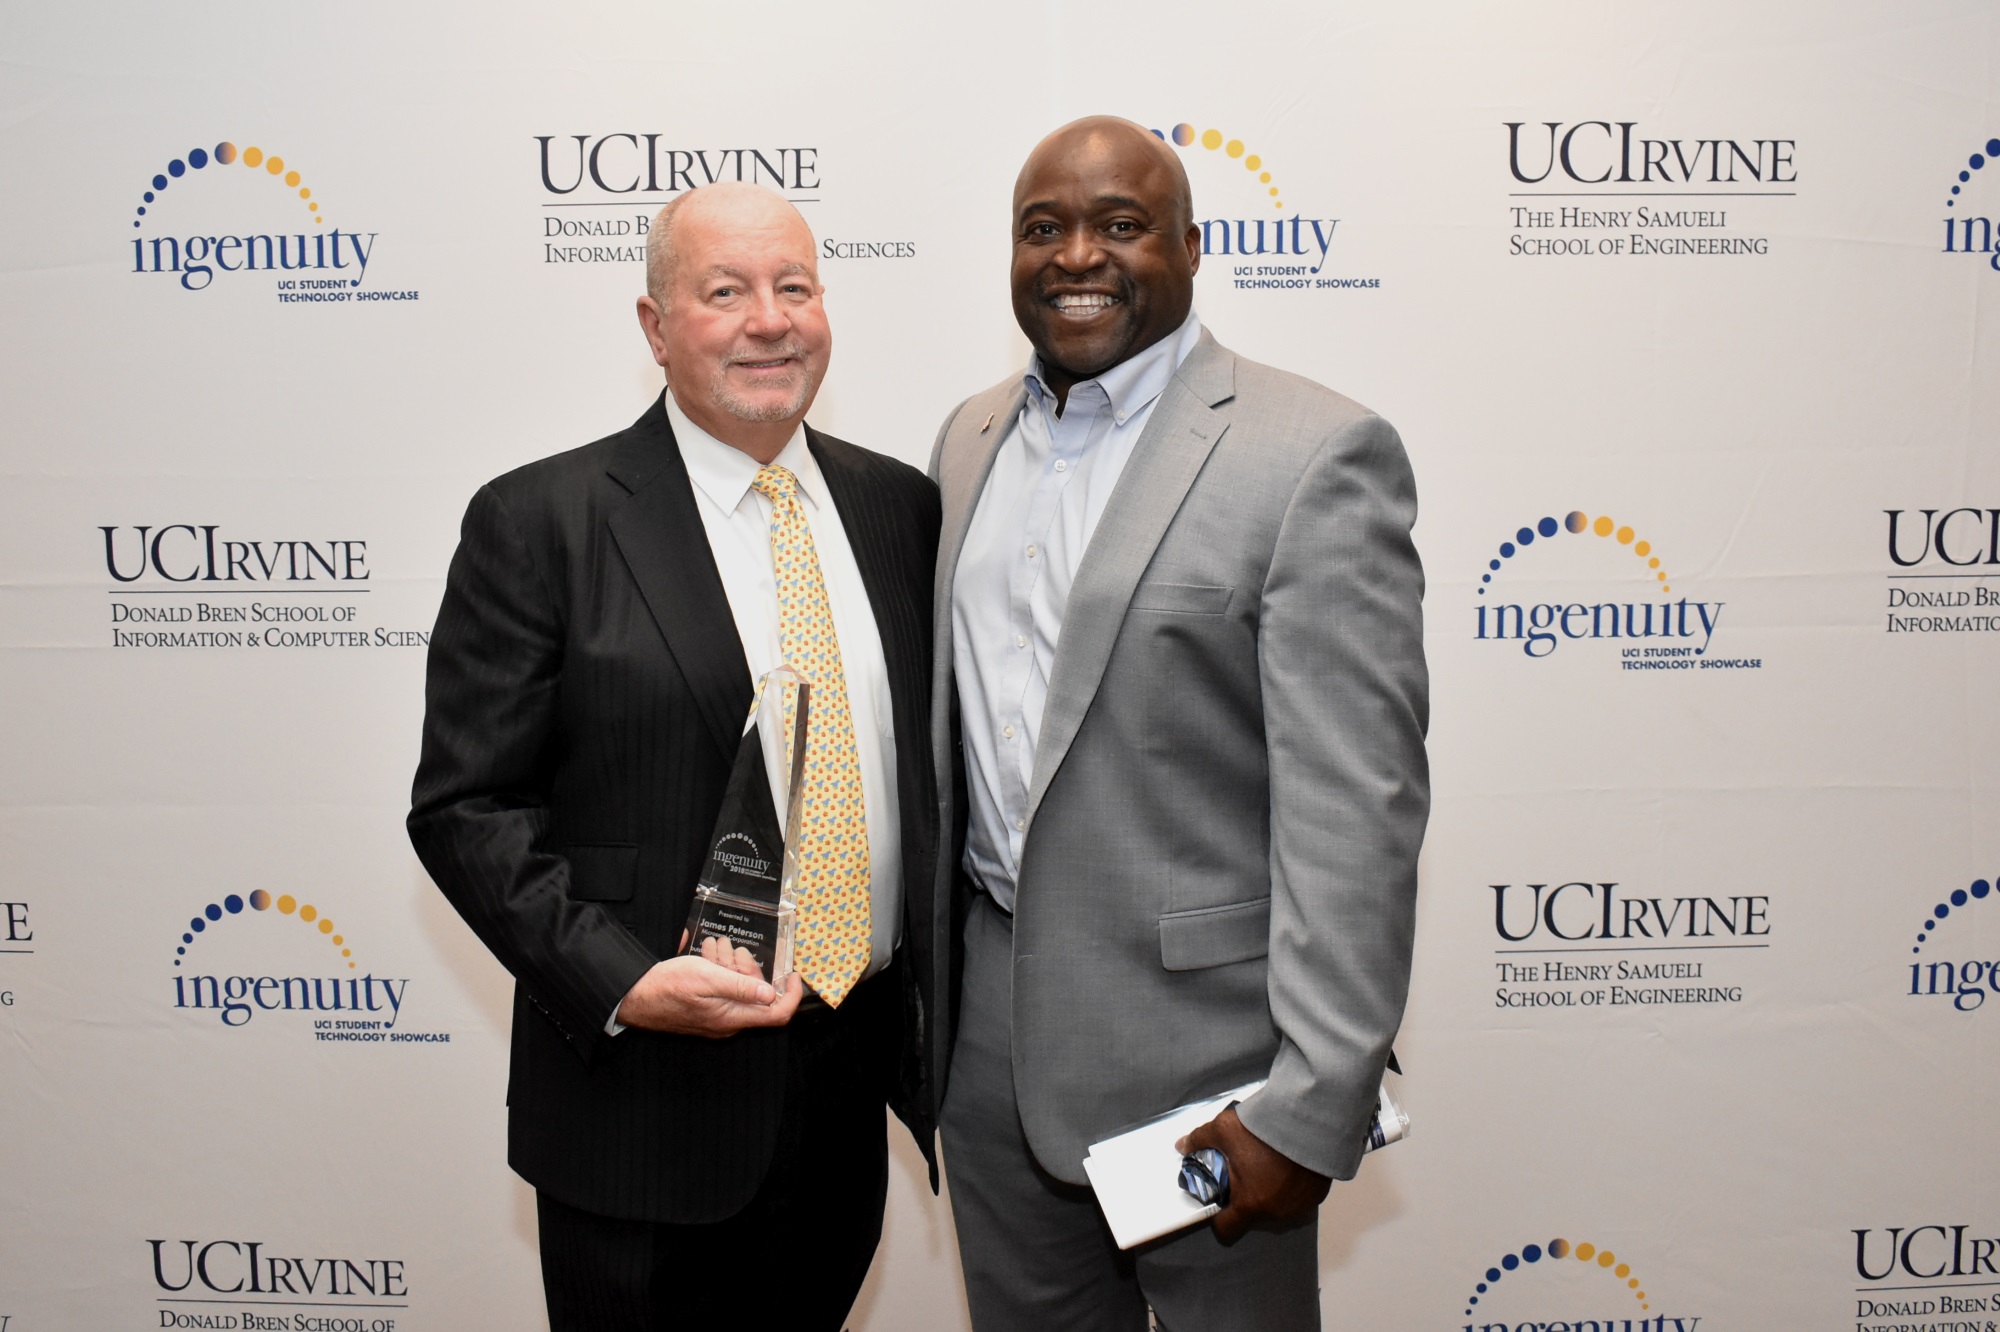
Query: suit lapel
[963, 466]
[1178, 438]
[963, 463]
[660, 533]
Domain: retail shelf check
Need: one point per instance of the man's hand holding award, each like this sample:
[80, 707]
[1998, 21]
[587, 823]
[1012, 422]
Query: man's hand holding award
[735, 967]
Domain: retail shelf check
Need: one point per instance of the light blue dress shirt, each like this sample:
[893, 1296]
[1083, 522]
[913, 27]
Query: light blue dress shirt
[1051, 479]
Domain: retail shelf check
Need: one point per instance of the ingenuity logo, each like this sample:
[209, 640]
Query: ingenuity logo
[1972, 234]
[314, 263]
[1529, 1258]
[1267, 230]
[1666, 634]
[1965, 983]
[345, 1006]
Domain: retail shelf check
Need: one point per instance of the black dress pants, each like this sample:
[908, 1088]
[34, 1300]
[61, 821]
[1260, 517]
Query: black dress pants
[796, 1256]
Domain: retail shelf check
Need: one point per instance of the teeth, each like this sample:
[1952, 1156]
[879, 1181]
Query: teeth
[779, 356]
[1079, 304]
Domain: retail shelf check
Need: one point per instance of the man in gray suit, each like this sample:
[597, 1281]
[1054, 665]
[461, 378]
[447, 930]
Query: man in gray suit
[1180, 671]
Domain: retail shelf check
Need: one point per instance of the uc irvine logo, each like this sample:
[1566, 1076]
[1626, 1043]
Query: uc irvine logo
[1295, 246]
[1656, 632]
[312, 261]
[1599, 945]
[1594, 188]
[227, 1272]
[16, 937]
[345, 1006]
[1927, 1264]
[1935, 590]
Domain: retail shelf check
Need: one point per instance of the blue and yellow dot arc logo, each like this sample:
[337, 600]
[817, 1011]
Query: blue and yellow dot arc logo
[196, 162]
[1185, 135]
[1578, 523]
[1529, 1255]
[285, 904]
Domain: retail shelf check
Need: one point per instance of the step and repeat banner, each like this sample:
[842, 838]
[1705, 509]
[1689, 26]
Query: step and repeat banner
[1689, 314]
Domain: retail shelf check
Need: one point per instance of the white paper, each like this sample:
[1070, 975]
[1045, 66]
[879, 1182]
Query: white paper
[1137, 1173]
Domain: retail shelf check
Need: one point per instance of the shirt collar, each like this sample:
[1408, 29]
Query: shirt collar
[1134, 381]
[723, 473]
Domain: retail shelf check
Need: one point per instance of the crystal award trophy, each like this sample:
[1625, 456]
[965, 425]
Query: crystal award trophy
[746, 897]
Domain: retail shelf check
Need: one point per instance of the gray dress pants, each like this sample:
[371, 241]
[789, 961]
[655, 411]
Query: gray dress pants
[1036, 1252]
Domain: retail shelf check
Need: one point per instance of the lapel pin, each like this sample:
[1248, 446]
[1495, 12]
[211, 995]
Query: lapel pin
[989, 423]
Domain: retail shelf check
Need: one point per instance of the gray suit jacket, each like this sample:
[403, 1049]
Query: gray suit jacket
[1219, 877]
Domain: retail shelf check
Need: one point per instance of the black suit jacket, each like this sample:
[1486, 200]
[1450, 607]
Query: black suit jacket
[585, 691]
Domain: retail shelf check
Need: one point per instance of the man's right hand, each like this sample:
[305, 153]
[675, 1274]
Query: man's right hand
[695, 997]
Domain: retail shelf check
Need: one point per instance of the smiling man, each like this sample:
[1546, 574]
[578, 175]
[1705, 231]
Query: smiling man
[704, 1147]
[1179, 609]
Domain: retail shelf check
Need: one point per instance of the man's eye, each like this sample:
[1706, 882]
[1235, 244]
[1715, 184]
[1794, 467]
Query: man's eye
[721, 293]
[1041, 230]
[1122, 227]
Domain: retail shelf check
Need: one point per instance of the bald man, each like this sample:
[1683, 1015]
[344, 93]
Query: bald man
[1180, 614]
[705, 1147]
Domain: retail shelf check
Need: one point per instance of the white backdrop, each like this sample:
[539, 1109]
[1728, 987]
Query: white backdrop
[1756, 1089]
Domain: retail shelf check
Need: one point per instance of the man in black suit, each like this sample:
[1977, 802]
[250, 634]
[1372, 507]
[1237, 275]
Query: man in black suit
[702, 1144]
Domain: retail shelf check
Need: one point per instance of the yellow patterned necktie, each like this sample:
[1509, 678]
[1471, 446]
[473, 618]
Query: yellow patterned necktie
[830, 949]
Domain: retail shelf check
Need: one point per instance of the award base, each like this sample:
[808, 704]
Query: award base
[762, 929]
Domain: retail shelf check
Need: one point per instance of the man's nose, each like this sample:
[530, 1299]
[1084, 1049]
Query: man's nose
[767, 318]
[1079, 252]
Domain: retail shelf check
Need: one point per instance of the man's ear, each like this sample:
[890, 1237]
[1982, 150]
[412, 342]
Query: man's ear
[650, 318]
[1193, 239]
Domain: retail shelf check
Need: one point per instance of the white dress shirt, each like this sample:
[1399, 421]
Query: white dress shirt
[738, 522]
[1051, 479]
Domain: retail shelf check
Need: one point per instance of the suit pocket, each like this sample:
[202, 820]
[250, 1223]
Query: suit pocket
[1215, 936]
[1184, 598]
[603, 871]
